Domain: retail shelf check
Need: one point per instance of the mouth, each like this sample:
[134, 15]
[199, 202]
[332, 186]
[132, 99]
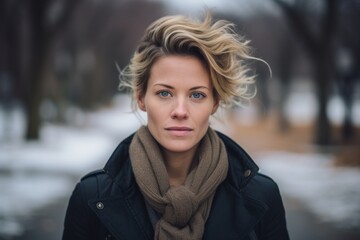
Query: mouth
[179, 131]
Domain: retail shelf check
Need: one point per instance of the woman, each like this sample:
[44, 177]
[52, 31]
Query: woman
[176, 178]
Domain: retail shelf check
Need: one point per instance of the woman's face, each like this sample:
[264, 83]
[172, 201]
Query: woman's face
[179, 101]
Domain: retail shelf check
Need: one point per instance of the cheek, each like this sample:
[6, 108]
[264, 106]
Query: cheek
[152, 117]
[201, 118]
[154, 112]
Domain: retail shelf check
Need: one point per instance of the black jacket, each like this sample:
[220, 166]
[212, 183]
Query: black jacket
[107, 204]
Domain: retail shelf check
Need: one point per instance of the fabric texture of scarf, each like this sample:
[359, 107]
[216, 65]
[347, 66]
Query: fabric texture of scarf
[183, 209]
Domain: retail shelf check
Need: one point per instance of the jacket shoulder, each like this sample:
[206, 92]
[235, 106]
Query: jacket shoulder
[88, 187]
[93, 174]
[265, 190]
[78, 214]
[262, 187]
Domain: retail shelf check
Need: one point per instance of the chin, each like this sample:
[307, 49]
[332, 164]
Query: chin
[178, 146]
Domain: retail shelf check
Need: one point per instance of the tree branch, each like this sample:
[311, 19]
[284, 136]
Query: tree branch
[62, 21]
[301, 29]
[330, 18]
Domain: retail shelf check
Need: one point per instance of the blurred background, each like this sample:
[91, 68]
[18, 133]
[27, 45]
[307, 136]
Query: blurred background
[61, 113]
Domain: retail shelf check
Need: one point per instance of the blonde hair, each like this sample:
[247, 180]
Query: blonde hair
[216, 44]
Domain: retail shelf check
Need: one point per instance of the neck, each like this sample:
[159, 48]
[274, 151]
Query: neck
[178, 165]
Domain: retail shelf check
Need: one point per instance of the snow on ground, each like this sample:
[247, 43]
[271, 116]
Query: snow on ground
[332, 193]
[61, 149]
[33, 174]
[22, 194]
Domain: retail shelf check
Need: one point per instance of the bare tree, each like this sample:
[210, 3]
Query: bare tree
[318, 46]
[102, 33]
[348, 60]
[30, 29]
[44, 29]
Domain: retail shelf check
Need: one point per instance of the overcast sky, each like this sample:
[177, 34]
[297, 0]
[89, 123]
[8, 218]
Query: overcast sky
[244, 7]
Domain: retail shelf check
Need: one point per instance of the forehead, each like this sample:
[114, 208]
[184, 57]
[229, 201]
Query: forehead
[178, 69]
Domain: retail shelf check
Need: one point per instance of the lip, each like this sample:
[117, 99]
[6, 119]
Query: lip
[179, 131]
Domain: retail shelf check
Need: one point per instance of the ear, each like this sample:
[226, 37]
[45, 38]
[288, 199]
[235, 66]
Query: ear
[140, 101]
[216, 105]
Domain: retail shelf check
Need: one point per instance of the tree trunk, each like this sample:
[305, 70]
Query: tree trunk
[42, 37]
[37, 11]
[33, 104]
[319, 50]
[286, 61]
[322, 75]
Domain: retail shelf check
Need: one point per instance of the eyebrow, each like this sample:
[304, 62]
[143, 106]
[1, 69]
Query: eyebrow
[171, 87]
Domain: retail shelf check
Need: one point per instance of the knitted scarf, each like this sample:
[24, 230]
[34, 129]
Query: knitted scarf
[184, 209]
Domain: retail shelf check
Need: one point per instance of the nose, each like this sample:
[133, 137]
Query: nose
[180, 110]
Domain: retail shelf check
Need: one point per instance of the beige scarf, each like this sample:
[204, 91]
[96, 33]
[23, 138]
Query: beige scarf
[184, 209]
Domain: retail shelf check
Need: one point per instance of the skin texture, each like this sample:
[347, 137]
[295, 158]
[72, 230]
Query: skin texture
[179, 101]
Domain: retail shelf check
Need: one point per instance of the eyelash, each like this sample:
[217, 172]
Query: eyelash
[161, 92]
[199, 93]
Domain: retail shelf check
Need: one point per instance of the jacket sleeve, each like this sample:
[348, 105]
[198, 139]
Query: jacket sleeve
[77, 220]
[273, 225]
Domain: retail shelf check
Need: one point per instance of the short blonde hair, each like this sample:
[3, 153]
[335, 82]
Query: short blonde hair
[216, 44]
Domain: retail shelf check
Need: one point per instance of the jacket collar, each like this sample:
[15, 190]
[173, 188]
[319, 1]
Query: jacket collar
[233, 211]
[118, 166]
[241, 167]
[123, 210]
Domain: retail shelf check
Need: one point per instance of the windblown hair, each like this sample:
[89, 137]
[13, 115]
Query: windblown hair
[216, 44]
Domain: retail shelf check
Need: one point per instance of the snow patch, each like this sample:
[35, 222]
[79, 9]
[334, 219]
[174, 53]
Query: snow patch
[22, 194]
[331, 192]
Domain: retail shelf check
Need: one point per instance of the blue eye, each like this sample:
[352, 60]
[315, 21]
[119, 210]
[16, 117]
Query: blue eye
[197, 95]
[164, 94]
